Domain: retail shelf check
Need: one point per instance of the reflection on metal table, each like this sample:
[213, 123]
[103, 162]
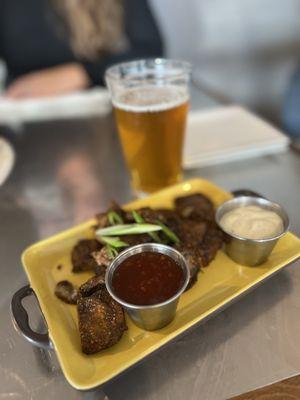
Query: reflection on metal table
[66, 171]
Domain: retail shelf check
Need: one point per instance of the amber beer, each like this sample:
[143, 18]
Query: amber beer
[151, 123]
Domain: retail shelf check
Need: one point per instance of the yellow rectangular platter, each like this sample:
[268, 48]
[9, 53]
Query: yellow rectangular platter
[222, 282]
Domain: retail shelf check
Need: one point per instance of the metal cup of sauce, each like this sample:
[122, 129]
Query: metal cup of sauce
[149, 316]
[250, 252]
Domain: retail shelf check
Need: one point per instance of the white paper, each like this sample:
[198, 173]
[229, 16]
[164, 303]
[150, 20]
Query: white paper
[228, 134]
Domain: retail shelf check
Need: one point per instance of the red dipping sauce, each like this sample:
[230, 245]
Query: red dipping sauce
[147, 278]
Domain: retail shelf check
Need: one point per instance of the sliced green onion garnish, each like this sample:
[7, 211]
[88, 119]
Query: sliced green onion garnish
[139, 219]
[114, 218]
[127, 229]
[167, 231]
[112, 252]
[113, 241]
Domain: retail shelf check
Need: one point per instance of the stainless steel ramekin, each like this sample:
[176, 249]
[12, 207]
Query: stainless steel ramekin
[156, 316]
[250, 252]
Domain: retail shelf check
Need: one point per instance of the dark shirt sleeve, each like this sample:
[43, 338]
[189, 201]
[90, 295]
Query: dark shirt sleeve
[1, 36]
[143, 37]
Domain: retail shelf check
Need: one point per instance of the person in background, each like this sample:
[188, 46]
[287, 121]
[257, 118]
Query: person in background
[53, 47]
[291, 110]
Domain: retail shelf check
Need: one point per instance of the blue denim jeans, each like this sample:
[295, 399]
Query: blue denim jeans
[291, 108]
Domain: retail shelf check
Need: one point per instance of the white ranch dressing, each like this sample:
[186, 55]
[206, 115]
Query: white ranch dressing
[252, 222]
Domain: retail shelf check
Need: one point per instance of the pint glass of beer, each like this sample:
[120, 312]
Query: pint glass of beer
[150, 100]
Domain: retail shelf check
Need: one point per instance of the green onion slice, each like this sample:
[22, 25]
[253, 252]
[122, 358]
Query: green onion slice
[112, 252]
[114, 218]
[113, 241]
[167, 231]
[139, 219]
[128, 229]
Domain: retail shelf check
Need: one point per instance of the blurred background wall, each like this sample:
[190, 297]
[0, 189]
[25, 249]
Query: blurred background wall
[245, 50]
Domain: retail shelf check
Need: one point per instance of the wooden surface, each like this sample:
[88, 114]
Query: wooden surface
[288, 389]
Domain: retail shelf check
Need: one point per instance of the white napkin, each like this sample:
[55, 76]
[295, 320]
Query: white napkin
[90, 102]
[227, 134]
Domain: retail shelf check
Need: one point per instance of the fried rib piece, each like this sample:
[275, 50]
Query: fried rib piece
[66, 292]
[200, 237]
[132, 240]
[212, 242]
[199, 255]
[92, 285]
[81, 257]
[102, 220]
[191, 232]
[101, 319]
[195, 206]
[193, 260]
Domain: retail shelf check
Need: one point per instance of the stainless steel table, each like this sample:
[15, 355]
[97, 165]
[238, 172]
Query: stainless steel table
[68, 170]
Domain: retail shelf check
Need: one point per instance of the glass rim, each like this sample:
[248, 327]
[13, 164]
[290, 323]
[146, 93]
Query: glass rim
[114, 72]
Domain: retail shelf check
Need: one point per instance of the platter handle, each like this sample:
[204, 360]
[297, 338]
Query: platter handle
[21, 320]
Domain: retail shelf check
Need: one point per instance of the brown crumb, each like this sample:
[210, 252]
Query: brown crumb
[59, 267]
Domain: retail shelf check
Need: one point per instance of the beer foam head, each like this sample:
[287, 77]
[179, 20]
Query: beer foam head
[151, 98]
